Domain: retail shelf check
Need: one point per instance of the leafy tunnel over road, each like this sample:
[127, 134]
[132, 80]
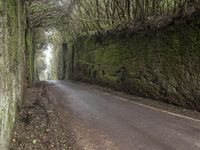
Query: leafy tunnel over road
[145, 48]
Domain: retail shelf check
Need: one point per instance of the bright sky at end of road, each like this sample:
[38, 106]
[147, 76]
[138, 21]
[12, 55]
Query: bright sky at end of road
[48, 54]
[48, 58]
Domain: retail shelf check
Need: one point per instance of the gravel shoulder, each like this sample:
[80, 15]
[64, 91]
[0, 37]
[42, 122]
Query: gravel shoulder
[38, 126]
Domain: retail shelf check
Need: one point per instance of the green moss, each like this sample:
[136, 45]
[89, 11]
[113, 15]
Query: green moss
[163, 65]
[11, 66]
[13, 34]
[30, 55]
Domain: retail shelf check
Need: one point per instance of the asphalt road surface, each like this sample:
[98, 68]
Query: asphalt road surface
[101, 120]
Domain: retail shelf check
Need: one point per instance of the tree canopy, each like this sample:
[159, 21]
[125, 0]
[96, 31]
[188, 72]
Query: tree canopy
[46, 13]
[83, 17]
[91, 16]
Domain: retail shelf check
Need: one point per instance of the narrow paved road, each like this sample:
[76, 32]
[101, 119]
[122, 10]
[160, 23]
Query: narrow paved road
[102, 120]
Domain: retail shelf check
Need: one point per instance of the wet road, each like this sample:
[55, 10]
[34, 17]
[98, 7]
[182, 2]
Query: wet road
[103, 120]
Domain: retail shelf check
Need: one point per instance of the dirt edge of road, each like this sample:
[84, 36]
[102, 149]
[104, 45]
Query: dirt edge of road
[38, 127]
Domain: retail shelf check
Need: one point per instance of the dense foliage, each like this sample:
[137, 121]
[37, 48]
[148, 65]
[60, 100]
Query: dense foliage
[47, 13]
[84, 17]
[91, 16]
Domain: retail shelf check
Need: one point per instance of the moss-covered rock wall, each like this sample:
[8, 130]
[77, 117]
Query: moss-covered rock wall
[163, 65]
[14, 56]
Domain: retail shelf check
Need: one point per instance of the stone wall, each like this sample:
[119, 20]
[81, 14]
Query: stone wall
[163, 65]
[13, 64]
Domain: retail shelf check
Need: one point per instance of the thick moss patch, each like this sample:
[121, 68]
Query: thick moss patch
[164, 65]
[13, 58]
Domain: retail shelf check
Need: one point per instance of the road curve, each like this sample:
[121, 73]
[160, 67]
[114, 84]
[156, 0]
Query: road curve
[102, 120]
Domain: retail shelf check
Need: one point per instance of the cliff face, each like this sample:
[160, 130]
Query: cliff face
[163, 65]
[15, 61]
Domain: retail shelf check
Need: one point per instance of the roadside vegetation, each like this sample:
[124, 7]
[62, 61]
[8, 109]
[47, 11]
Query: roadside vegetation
[86, 17]
[92, 16]
[148, 48]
